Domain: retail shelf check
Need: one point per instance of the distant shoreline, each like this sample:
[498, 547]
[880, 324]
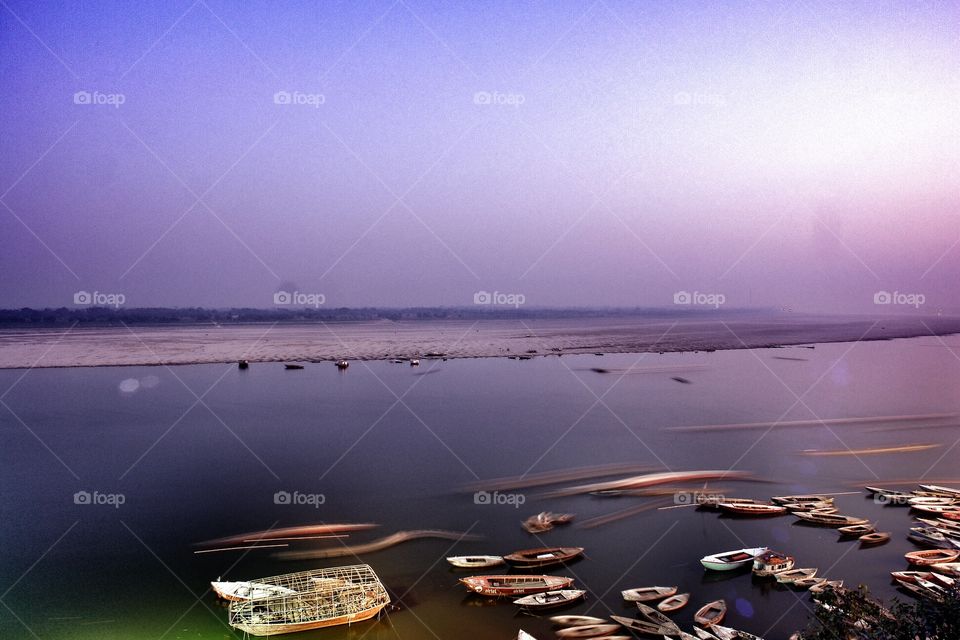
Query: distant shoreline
[139, 345]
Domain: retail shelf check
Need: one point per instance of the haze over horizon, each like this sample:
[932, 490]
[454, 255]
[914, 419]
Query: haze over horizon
[405, 153]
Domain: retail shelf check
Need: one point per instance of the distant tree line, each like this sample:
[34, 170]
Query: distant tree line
[108, 316]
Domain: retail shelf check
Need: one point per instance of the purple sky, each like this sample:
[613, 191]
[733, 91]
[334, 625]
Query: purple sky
[802, 156]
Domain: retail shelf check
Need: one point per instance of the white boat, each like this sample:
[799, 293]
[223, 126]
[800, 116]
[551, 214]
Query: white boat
[576, 621]
[792, 575]
[469, 562]
[523, 635]
[646, 594]
[589, 631]
[243, 591]
[550, 599]
[731, 559]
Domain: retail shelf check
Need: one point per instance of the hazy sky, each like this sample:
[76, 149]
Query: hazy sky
[411, 153]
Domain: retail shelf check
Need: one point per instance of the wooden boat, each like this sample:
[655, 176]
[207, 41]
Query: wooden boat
[806, 583]
[673, 603]
[729, 560]
[243, 364]
[771, 563]
[518, 585]
[728, 633]
[931, 501]
[909, 576]
[874, 490]
[667, 626]
[856, 530]
[929, 557]
[752, 509]
[703, 634]
[919, 591]
[829, 519]
[937, 509]
[823, 585]
[472, 562]
[931, 536]
[941, 490]
[951, 515]
[896, 498]
[645, 626]
[323, 598]
[802, 498]
[787, 577]
[711, 613]
[550, 599]
[947, 568]
[342, 364]
[877, 537]
[577, 621]
[543, 556]
[588, 631]
[243, 591]
[646, 594]
[709, 501]
[822, 507]
[293, 366]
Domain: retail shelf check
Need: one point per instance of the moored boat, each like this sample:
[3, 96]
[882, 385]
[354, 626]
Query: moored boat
[646, 594]
[293, 366]
[790, 575]
[514, 585]
[668, 627]
[830, 519]
[543, 556]
[823, 585]
[673, 603]
[947, 568]
[342, 364]
[644, 626]
[711, 613]
[806, 583]
[752, 509]
[471, 562]
[772, 562]
[550, 599]
[822, 507]
[933, 537]
[877, 537]
[577, 621]
[941, 490]
[929, 557]
[729, 560]
[815, 497]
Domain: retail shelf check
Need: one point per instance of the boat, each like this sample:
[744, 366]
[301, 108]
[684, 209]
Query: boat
[703, 634]
[771, 563]
[667, 626]
[938, 509]
[953, 516]
[588, 631]
[931, 501]
[874, 490]
[414, 362]
[518, 585]
[947, 568]
[728, 633]
[802, 498]
[523, 635]
[822, 507]
[550, 599]
[823, 585]
[829, 519]
[543, 556]
[545, 520]
[786, 577]
[909, 576]
[243, 364]
[322, 598]
[470, 562]
[713, 501]
[856, 530]
[929, 557]
[293, 366]
[673, 603]
[806, 583]
[877, 537]
[607, 493]
[711, 613]
[646, 594]
[577, 621]
[342, 364]
[729, 560]
[645, 626]
[752, 509]
[896, 498]
[242, 591]
[933, 537]
[941, 490]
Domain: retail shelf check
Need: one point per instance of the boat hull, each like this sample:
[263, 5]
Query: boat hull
[279, 629]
